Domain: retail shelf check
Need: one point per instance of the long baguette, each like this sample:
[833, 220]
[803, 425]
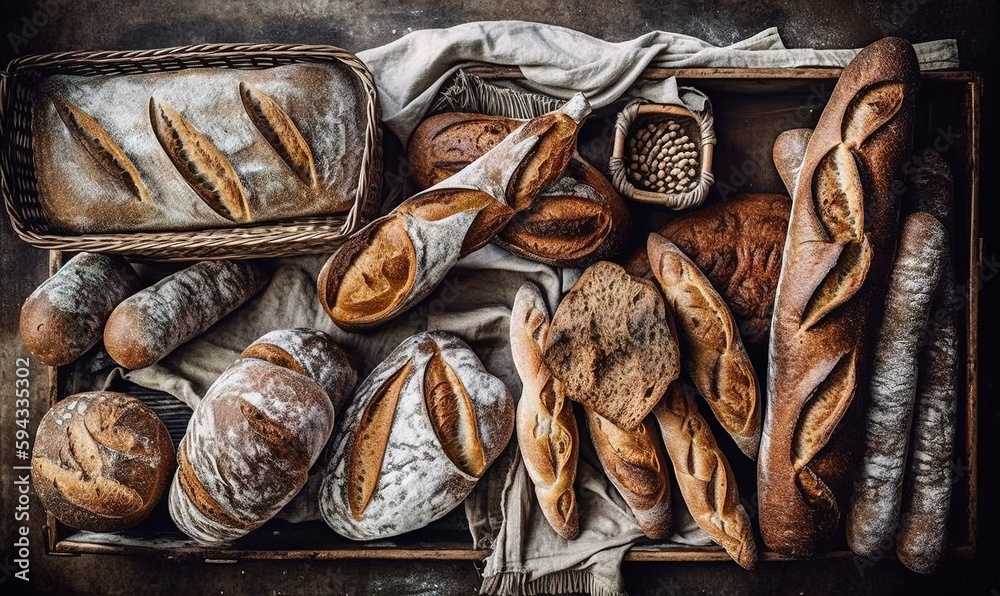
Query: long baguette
[927, 493]
[878, 488]
[836, 264]
[547, 434]
[703, 474]
[712, 350]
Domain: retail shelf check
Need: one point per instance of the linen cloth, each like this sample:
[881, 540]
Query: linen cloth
[475, 299]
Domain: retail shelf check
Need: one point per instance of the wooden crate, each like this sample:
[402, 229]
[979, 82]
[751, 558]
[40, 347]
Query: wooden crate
[751, 107]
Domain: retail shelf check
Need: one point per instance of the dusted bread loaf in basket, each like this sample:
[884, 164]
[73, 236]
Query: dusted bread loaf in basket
[242, 151]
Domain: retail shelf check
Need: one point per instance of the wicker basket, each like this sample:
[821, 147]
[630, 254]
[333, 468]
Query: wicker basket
[630, 120]
[285, 238]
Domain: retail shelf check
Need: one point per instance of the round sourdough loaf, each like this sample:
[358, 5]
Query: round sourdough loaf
[415, 438]
[101, 461]
[312, 353]
[247, 450]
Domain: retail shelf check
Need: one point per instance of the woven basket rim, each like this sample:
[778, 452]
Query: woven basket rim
[624, 121]
[300, 235]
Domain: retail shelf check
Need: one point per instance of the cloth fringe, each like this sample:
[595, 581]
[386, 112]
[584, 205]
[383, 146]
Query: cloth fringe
[469, 93]
[570, 581]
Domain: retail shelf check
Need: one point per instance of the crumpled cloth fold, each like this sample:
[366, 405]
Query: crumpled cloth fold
[560, 62]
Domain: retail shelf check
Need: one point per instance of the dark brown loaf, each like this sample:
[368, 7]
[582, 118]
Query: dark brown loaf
[713, 353]
[547, 434]
[445, 143]
[612, 346]
[101, 461]
[578, 220]
[150, 324]
[636, 464]
[703, 475]
[834, 272]
[65, 316]
[923, 533]
[914, 280]
[737, 244]
[198, 148]
[248, 449]
[394, 262]
[311, 353]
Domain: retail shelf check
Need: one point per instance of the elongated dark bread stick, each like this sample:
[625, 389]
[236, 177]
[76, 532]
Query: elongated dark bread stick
[150, 324]
[65, 316]
[912, 284]
[927, 490]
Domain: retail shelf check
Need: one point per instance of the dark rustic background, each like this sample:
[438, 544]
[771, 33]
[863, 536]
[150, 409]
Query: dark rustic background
[54, 25]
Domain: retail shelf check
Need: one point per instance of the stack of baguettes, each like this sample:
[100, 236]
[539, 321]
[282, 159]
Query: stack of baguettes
[855, 292]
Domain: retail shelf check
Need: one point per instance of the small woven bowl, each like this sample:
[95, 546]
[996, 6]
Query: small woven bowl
[632, 122]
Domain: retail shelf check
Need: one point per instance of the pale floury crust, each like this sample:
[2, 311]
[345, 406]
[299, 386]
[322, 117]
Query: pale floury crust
[878, 489]
[198, 148]
[415, 438]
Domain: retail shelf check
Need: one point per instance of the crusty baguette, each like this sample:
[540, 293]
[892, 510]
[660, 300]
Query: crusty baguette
[150, 324]
[414, 439]
[395, 261]
[546, 427]
[914, 280]
[835, 267]
[636, 463]
[65, 316]
[577, 221]
[713, 351]
[737, 244]
[926, 503]
[703, 475]
[612, 346]
[101, 461]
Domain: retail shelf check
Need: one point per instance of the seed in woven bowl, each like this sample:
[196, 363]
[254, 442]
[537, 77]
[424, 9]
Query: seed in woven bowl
[662, 155]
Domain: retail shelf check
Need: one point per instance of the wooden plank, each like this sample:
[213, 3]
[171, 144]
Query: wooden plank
[974, 95]
[493, 72]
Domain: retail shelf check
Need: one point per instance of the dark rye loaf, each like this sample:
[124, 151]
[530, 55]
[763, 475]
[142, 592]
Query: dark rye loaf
[612, 345]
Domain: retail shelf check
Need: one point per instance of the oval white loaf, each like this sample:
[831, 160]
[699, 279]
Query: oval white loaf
[415, 438]
[247, 450]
